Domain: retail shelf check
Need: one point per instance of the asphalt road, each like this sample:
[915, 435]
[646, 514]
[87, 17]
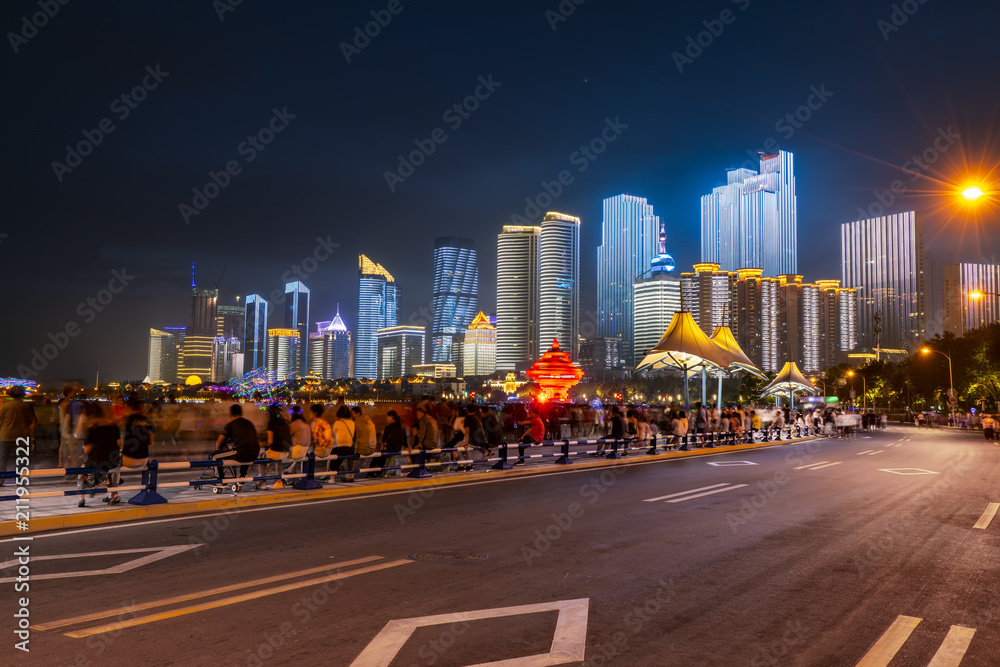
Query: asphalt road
[807, 557]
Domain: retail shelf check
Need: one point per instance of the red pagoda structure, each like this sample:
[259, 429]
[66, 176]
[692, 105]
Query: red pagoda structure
[555, 373]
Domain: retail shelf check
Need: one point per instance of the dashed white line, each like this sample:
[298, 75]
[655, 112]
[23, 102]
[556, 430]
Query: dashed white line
[810, 465]
[987, 517]
[707, 493]
[684, 493]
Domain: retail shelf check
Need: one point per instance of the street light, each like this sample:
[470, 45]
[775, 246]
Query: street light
[951, 382]
[864, 385]
[972, 192]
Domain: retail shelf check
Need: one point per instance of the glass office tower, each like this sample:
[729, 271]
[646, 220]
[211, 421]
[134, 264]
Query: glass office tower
[255, 332]
[456, 288]
[517, 297]
[378, 303]
[297, 317]
[559, 282]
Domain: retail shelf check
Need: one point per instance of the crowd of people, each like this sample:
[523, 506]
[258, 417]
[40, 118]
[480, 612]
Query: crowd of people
[108, 437]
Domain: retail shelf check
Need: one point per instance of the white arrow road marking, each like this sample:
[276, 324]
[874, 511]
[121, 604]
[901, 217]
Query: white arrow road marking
[569, 642]
[987, 517]
[159, 553]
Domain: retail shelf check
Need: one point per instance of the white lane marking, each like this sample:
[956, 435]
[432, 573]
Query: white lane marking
[818, 463]
[683, 493]
[867, 451]
[159, 553]
[987, 517]
[707, 493]
[953, 647]
[890, 642]
[569, 641]
[835, 463]
[909, 471]
[368, 496]
[729, 464]
[879, 451]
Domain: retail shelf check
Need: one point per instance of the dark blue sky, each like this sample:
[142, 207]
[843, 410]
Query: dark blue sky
[324, 173]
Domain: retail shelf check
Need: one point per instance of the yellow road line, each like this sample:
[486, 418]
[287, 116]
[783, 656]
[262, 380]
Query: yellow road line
[198, 594]
[205, 606]
[890, 642]
[987, 517]
[953, 648]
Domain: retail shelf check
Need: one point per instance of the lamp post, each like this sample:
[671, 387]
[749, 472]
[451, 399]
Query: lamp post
[951, 382]
[864, 389]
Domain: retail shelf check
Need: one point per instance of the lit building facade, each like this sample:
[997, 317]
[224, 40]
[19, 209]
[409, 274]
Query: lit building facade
[229, 321]
[559, 281]
[436, 371]
[883, 259]
[657, 296]
[378, 308]
[963, 312]
[629, 234]
[224, 351]
[601, 358]
[838, 322]
[297, 317]
[162, 357]
[255, 308]
[479, 348]
[330, 350]
[400, 348]
[195, 357]
[456, 289]
[282, 352]
[752, 221]
[707, 293]
[517, 296]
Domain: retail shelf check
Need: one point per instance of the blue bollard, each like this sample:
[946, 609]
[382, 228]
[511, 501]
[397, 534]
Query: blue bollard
[309, 482]
[564, 459]
[148, 496]
[652, 447]
[420, 471]
[614, 451]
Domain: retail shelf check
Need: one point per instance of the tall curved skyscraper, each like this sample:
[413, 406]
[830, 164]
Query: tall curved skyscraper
[456, 289]
[630, 234]
[378, 299]
[559, 282]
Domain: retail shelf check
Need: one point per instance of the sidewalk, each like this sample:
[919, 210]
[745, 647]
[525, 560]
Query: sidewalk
[58, 513]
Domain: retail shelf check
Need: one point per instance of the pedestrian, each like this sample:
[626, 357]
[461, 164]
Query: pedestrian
[301, 439]
[344, 442]
[700, 420]
[138, 436]
[279, 444]
[69, 415]
[679, 428]
[458, 438]
[989, 427]
[238, 443]
[491, 427]
[534, 435]
[17, 420]
[393, 442]
[754, 423]
[102, 446]
[475, 434]
[321, 432]
[366, 441]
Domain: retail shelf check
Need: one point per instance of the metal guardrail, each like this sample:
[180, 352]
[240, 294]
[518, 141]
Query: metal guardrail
[307, 479]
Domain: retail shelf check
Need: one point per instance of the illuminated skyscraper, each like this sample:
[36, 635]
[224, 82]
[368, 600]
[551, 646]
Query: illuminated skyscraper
[752, 221]
[708, 294]
[378, 299]
[517, 296]
[330, 350]
[282, 352]
[559, 281]
[162, 359]
[224, 351]
[883, 259]
[255, 332]
[629, 232]
[963, 312]
[400, 348]
[229, 321]
[838, 322]
[480, 348]
[657, 297]
[297, 317]
[204, 304]
[456, 289]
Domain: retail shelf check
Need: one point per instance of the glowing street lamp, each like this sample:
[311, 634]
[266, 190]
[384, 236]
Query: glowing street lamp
[864, 385]
[972, 192]
[951, 382]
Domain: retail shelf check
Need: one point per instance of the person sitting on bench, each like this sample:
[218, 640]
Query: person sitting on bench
[238, 442]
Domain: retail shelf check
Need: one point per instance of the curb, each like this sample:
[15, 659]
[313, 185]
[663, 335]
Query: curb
[130, 513]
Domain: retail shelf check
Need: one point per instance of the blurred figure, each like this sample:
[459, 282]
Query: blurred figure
[17, 420]
[238, 442]
[301, 438]
[279, 444]
[139, 433]
[365, 441]
[344, 440]
[534, 435]
[322, 433]
[102, 445]
[393, 442]
[69, 414]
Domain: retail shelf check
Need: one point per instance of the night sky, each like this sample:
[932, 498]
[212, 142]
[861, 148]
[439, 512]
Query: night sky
[889, 90]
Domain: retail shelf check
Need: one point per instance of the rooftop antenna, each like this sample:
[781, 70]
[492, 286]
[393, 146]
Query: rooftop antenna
[192, 274]
[222, 273]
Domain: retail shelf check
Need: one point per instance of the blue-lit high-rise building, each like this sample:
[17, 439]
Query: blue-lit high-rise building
[378, 308]
[752, 221]
[255, 332]
[559, 282]
[297, 317]
[456, 288]
[630, 233]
